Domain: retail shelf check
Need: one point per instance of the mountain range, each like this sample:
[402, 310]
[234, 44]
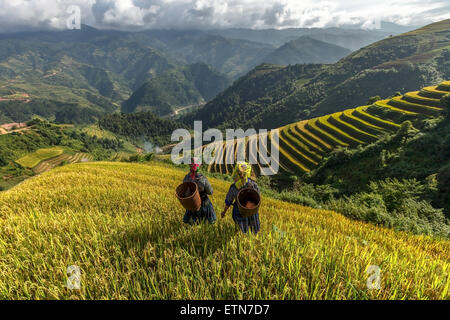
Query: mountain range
[352, 37]
[271, 96]
[89, 72]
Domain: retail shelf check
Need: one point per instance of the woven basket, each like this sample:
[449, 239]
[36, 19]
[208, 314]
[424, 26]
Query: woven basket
[189, 197]
[244, 197]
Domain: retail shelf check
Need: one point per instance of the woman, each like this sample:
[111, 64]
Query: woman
[206, 211]
[242, 176]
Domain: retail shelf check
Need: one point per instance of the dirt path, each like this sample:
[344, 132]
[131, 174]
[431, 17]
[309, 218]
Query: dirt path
[18, 130]
[7, 127]
[50, 75]
[177, 111]
[25, 98]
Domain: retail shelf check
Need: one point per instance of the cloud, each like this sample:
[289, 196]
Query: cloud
[195, 14]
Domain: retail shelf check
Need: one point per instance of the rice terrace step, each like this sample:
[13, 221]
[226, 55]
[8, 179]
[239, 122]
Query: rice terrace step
[56, 161]
[303, 144]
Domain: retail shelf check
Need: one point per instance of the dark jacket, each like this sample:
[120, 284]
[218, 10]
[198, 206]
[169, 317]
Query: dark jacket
[204, 187]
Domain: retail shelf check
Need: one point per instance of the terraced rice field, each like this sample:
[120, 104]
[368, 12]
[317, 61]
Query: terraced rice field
[432, 92]
[386, 104]
[56, 161]
[444, 86]
[303, 145]
[33, 159]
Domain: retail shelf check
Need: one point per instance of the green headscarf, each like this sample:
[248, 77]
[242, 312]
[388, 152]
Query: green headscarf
[241, 173]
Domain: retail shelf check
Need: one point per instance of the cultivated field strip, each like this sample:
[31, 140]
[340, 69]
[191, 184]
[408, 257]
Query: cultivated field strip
[327, 124]
[401, 103]
[432, 92]
[315, 127]
[299, 144]
[361, 112]
[311, 138]
[302, 145]
[417, 98]
[444, 86]
[386, 104]
[46, 165]
[361, 124]
[351, 130]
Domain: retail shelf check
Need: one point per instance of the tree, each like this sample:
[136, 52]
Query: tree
[374, 99]
[445, 101]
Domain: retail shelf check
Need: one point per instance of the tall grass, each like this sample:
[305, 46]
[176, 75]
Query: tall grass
[122, 225]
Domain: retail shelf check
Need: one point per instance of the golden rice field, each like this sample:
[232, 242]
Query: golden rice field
[303, 144]
[122, 226]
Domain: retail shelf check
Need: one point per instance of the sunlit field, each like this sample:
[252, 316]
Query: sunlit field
[122, 226]
[33, 159]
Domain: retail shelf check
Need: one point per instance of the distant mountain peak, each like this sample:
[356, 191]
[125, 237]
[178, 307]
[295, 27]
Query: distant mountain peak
[306, 49]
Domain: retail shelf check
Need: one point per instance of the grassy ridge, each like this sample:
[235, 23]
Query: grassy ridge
[121, 224]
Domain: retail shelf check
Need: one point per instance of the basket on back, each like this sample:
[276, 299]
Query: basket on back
[248, 201]
[188, 195]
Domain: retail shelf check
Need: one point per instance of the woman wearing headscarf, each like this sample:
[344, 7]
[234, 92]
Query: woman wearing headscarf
[242, 176]
[206, 211]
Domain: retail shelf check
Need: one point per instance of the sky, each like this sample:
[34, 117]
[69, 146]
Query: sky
[18, 15]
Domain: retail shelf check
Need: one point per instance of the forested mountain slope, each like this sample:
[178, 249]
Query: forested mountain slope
[306, 50]
[402, 63]
[191, 85]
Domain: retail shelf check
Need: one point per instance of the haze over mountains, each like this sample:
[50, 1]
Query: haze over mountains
[350, 36]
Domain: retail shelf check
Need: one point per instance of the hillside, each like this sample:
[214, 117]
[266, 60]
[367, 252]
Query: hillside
[249, 95]
[401, 63]
[78, 76]
[189, 85]
[405, 138]
[140, 127]
[231, 57]
[102, 218]
[304, 144]
[40, 146]
[84, 74]
[306, 50]
[82, 80]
